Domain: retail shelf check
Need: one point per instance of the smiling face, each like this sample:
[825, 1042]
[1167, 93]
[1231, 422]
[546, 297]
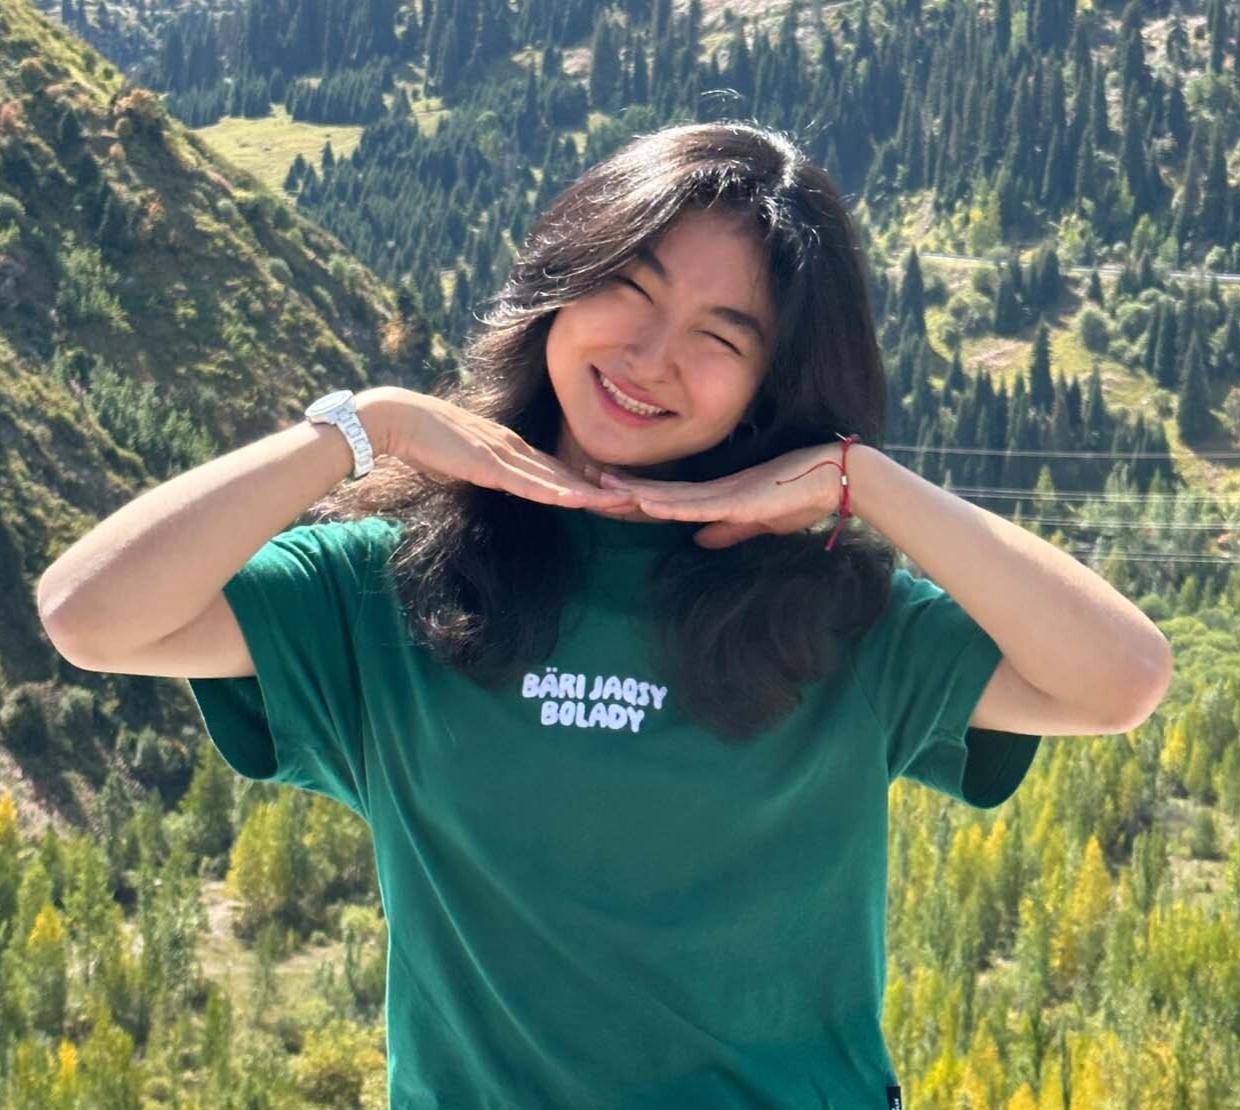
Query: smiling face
[661, 362]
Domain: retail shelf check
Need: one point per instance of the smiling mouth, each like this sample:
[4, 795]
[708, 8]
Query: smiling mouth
[627, 403]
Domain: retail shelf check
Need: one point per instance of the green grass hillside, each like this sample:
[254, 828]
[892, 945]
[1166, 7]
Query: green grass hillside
[158, 306]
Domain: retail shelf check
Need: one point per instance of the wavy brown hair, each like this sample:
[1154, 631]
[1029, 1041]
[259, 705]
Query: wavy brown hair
[482, 574]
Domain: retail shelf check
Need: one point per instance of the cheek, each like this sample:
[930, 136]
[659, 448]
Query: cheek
[723, 392]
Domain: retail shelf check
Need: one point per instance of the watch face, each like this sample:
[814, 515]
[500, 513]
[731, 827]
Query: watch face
[326, 404]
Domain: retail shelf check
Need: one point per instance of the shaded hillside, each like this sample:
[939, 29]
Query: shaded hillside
[157, 308]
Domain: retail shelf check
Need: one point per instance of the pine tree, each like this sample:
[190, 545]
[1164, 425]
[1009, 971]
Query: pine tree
[1133, 158]
[1006, 317]
[604, 66]
[641, 76]
[1227, 359]
[1216, 20]
[1166, 359]
[1041, 388]
[1094, 291]
[1098, 110]
[739, 71]
[912, 296]
[1212, 220]
[1193, 417]
[1177, 115]
[1085, 187]
[1095, 413]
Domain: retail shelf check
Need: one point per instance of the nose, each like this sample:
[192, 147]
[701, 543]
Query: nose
[649, 360]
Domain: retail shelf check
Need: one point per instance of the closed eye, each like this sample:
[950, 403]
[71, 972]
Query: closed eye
[633, 285]
[723, 341]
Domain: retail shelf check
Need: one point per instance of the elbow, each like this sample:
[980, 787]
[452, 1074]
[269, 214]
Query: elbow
[1148, 685]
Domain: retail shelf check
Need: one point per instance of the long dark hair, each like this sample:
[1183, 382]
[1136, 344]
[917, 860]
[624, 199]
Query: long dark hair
[482, 575]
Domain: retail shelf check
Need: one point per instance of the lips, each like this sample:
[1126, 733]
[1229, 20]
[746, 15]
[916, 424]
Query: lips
[633, 394]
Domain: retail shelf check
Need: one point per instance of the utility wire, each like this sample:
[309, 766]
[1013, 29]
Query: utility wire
[1157, 525]
[1126, 455]
[1150, 557]
[1017, 494]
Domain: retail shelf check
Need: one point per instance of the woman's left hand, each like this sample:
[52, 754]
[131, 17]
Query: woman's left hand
[786, 494]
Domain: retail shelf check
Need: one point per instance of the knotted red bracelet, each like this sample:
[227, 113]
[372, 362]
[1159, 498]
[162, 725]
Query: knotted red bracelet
[844, 510]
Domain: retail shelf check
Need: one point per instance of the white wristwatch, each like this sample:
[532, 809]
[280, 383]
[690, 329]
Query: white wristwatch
[340, 408]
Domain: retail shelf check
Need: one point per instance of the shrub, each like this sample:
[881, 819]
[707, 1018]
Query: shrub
[934, 289]
[143, 109]
[1155, 607]
[73, 716]
[1203, 840]
[971, 311]
[257, 208]
[335, 1062]
[85, 290]
[23, 721]
[1091, 326]
[33, 76]
[1231, 408]
[279, 270]
[11, 211]
[983, 281]
[1132, 319]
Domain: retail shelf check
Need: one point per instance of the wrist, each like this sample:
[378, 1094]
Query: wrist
[862, 460]
[378, 410]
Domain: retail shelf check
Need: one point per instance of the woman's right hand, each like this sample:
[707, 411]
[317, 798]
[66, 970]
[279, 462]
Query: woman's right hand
[437, 437]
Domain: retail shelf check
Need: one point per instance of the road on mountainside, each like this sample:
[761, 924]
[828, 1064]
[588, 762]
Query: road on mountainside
[1192, 275]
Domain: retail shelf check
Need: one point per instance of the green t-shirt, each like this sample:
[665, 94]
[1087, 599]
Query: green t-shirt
[591, 901]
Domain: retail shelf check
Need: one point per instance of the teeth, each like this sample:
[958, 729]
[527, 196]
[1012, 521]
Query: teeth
[627, 402]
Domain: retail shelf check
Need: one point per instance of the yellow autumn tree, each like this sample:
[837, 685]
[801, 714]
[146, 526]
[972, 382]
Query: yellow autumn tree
[1176, 752]
[66, 1092]
[1078, 941]
[1051, 1082]
[1022, 1099]
[43, 969]
[982, 1080]
[335, 1061]
[259, 875]
[111, 1075]
[10, 863]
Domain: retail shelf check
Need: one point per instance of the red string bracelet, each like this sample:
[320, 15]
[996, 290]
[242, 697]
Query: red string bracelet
[844, 510]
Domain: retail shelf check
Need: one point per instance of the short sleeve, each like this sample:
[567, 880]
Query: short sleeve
[297, 720]
[923, 666]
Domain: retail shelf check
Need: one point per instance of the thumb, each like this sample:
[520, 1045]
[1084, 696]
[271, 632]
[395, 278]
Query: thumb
[725, 534]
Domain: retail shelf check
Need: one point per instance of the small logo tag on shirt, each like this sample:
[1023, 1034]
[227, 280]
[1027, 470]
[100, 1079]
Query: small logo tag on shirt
[894, 1102]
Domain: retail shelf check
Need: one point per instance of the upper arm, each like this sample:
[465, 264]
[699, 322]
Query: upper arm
[209, 646]
[1010, 703]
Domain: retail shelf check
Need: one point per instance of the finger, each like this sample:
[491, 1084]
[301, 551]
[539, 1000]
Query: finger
[558, 471]
[534, 487]
[725, 534]
[651, 485]
[548, 465]
[537, 464]
[679, 510]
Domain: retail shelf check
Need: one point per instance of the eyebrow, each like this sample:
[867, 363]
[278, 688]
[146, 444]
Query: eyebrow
[724, 312]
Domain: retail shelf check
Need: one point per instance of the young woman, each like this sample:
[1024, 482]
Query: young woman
[621, 717]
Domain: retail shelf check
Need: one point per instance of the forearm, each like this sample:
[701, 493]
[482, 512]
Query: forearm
[157, 562]
[1065, 629]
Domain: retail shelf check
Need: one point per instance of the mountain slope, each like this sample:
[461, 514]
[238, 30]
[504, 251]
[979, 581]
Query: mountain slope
[157, 308]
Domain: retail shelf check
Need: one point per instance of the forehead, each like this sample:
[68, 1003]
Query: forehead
[718, 256]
